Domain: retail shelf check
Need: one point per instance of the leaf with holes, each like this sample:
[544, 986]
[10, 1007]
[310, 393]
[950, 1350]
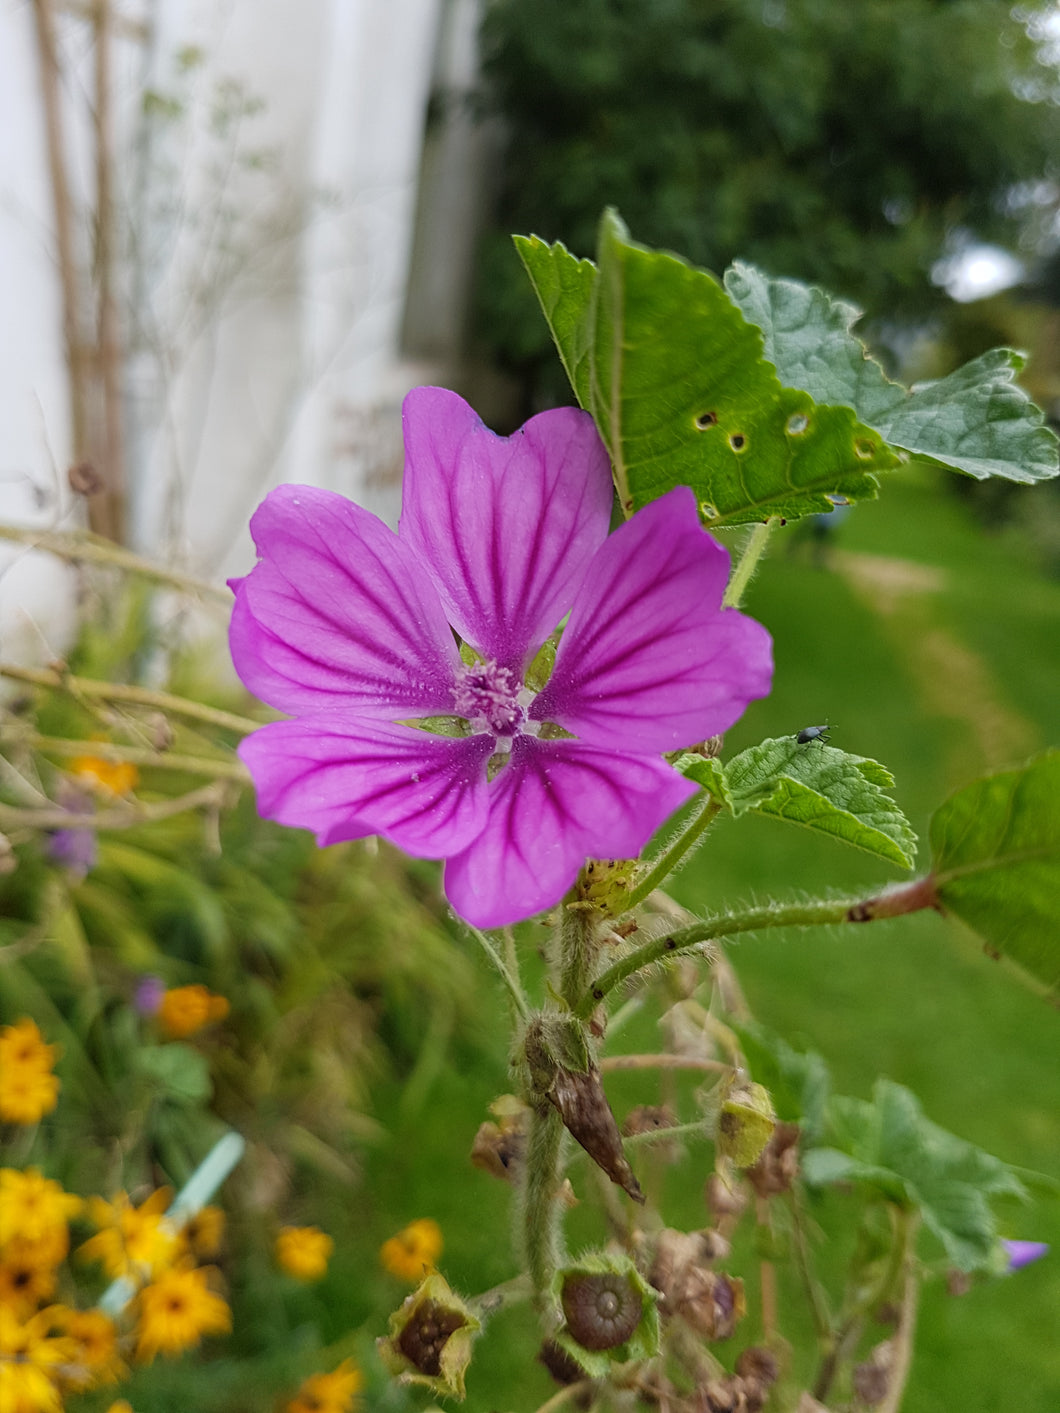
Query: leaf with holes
[674, 377]
[825, 789]
[976, 421]
[996, 847]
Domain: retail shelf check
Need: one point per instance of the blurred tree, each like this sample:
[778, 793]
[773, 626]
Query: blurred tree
[833, 143]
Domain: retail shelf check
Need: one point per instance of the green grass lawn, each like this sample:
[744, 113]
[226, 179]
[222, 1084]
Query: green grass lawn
[933, 648]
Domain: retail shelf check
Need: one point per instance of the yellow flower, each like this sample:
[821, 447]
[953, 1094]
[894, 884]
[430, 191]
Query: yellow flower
[34, 1208]
[413, 1252]
[329, 1393]
[95, 1359]
[176, 1311]
[186, 1009]
[121, 1406]
[29, 1362]
[28, 1089]
[24, 1284]
[303, 1252]
[132, 1241]
[203, 1233]
[112, 777]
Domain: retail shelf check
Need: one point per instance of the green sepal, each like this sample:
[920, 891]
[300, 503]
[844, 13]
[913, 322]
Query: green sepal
[641, 1343]
[411, 1360]
[746, 1120]
[439, 725]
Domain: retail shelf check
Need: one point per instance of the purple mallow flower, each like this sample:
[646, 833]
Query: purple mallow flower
[350, 629]
[1022, 1253]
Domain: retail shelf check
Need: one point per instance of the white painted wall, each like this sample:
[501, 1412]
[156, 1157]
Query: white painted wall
[268, 295]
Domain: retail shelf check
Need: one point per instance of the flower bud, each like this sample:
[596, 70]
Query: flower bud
[745, 1124]
[498, 1147]
[606, 883]
[431, 1337]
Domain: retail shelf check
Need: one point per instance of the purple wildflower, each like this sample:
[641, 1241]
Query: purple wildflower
[350, 629]
[72, 848]
[148, 995]
[1022, 1253]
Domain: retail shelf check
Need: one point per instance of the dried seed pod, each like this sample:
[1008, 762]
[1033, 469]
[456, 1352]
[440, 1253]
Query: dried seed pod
[723, 1198]
[587, 1116]
[778, 1164]
[757, 1365]
[423, 1338]
[563, 1367]
[601, 1309]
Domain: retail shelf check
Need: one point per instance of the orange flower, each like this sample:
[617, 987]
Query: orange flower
[303, 1252]
[329, 1393]
[111, 777]
[186, 1009]
[28, 1089]
[176, 1311]
[415, 1249]
[132, 1241]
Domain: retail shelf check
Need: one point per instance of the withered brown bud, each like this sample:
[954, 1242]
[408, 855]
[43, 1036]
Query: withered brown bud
[424, 1337]
[958, 1282]
[602, 1310]
[719, 1396]
[757, 1365]
[711, 1303]
[496, 1152]
[648, 1118]
[84, 479]
[778, 1164]
[723, 1198]
[563, 1367]
[872, 1378]
[587, 1116]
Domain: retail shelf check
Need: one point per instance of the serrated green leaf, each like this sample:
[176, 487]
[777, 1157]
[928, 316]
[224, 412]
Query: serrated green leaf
[977, 420]
[682, 395]
[890, 1146]
[564, 287]
[705, 771]
[675, 378]
[179, 1071]
[826, 789]
[996, 848]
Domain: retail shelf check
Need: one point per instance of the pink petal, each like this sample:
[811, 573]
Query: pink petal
[505, 525]
[346, 778]
[556, 804]
[650, 661]
[339, 611]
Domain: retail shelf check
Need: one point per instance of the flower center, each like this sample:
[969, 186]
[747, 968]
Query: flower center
[488, 696]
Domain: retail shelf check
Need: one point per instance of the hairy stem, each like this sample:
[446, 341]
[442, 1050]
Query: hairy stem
[90, 687]
[910, 897]
[541, 1235]
[753, 550]
[667, 861]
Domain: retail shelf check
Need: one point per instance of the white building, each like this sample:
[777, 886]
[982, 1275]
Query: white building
[268, 156]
